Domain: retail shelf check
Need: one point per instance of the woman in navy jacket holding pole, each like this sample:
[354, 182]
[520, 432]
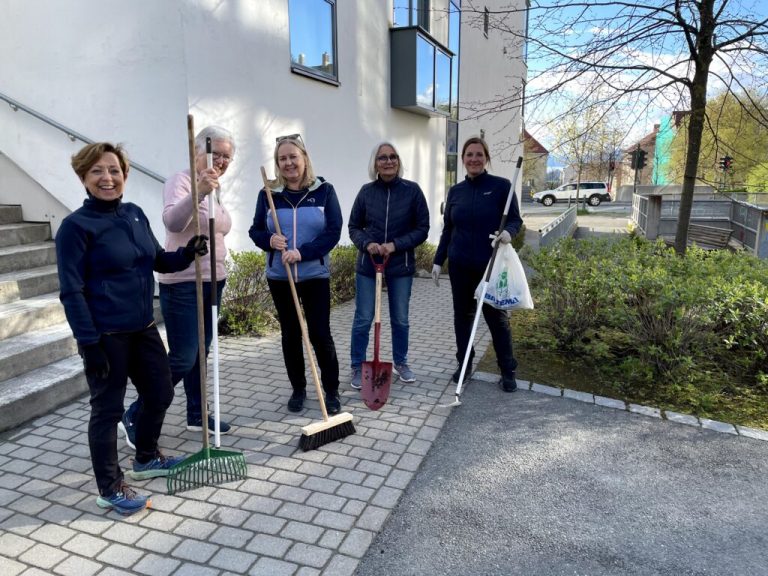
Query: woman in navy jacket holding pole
[389, 219]
[472, 215]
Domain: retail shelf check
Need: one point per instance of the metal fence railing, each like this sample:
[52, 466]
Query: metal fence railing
[561, 227]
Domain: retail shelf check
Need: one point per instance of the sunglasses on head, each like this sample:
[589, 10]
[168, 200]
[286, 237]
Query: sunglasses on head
[289, 137]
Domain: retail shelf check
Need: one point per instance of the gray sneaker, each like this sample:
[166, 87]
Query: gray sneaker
[357, 378]
[405, 373]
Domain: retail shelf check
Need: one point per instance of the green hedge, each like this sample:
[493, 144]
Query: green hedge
[649, 318]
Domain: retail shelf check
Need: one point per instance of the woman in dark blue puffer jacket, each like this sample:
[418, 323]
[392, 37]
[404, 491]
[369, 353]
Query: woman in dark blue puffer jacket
[389, 219]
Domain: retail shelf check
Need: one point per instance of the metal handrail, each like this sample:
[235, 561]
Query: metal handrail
[71, 134]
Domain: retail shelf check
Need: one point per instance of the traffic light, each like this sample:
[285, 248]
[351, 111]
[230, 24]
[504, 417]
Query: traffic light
[633, 162]
[726, 163]
[641, 154]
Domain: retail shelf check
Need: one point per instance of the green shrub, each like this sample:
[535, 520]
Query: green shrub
[246, 307]
[343, 261]
[653, 320]
[425, 256]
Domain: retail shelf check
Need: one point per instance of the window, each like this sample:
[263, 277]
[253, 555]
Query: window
[313, 38]
[451, 153]
[412, 13]
[425, 72]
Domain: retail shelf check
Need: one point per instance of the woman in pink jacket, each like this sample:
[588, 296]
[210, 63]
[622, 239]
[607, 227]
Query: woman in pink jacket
[177, 290]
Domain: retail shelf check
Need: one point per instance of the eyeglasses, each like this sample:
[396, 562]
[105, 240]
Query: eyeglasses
[383, 158]
[296, 137]
[219, 156]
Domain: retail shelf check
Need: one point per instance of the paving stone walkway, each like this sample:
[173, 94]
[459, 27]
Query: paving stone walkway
[297, 513]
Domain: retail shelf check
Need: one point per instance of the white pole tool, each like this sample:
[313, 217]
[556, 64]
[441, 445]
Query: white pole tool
[484, 285]
[214, 301]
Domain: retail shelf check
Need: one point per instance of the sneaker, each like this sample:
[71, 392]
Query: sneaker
[508, 384]
[125, 501]
[332, 402]
[159, 466]
[357, 378]
[128, 429]
[405, 373]
[296, 401]
[196, 425]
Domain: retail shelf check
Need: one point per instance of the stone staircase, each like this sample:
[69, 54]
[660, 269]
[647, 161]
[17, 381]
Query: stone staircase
[39, 365]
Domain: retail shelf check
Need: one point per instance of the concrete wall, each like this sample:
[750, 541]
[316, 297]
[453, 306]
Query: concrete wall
[131, 71]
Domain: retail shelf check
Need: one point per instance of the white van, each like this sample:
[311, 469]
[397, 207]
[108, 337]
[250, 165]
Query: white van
[594, 192]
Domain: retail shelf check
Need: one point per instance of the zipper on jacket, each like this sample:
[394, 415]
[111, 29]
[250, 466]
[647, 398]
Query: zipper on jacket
[296, 231]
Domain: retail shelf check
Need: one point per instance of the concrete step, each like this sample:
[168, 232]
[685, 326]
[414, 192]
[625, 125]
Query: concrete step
[27, 256]
[28, 283]
[24, 233]
[10, 213]
[30, 314]
[41, 390]
[32, 350]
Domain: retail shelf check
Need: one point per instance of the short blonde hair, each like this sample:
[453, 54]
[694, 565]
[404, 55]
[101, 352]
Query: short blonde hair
[372, 172]
[92, 153]
[309, 173]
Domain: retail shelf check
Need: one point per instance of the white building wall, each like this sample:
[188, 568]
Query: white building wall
[492, 69]
[130, 72]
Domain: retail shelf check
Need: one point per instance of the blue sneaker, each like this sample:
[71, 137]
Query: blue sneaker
[159, 466]
[405, 373]
[125, 501]
[128, 429]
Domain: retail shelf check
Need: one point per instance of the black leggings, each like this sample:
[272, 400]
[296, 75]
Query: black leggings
[140, 356]
[464, 280]
[315, 297]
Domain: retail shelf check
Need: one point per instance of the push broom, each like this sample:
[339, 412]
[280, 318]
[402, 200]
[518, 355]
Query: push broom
[331, 428]
[484, 287]
[209, 466]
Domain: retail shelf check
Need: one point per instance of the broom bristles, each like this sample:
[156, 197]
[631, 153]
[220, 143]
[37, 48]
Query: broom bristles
[206, 468]
[321, 433]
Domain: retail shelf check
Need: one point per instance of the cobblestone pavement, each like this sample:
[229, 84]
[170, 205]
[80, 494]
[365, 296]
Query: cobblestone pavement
[297, 513]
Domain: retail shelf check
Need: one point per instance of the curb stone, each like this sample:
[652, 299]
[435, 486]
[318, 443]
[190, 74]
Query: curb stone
[650, 411]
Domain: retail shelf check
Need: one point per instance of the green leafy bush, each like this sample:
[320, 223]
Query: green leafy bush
[652, 320]
[246, 307]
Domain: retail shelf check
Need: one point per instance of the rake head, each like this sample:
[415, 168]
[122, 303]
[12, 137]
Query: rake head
[208, 467]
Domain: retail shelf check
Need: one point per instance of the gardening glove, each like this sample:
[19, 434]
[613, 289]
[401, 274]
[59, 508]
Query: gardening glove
[504, 238]
[196, 245]
[436, 274]
[95, 361]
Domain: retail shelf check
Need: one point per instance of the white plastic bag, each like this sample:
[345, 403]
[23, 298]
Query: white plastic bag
[507, 286]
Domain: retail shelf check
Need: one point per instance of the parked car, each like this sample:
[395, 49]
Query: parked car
[594, 192]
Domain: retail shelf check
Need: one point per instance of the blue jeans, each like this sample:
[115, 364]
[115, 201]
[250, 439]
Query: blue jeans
[399, 295]
[178, 303]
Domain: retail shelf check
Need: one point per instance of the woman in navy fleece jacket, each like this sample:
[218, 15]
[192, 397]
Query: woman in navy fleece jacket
[106, 254]
[473, 212]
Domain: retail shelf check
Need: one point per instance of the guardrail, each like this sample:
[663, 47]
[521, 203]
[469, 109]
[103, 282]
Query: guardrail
[561, 227]
[748, 221]
[71, 134]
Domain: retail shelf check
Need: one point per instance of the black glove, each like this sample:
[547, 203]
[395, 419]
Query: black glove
[95, 361]
[196, 245]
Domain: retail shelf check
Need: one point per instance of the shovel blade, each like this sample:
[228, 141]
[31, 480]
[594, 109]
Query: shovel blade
[376, 378]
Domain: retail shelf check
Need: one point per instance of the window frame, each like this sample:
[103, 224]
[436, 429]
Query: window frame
[309, 71]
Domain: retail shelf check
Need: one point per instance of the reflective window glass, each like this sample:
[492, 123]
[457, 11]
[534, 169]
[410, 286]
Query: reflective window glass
[443, 82]
[313, 36]
[425, 72]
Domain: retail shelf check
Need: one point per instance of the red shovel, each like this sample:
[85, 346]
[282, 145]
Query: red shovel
[376, 376]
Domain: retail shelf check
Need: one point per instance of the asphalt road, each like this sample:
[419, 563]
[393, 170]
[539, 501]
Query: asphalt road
[529, 484]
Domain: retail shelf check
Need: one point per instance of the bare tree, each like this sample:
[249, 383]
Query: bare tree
[652, 54]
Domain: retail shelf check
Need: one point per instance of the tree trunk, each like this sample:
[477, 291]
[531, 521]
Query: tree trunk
[698, 89]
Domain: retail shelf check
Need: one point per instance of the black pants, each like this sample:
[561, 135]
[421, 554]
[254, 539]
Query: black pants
[140, 356]
[464, 280]
[315, 297]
